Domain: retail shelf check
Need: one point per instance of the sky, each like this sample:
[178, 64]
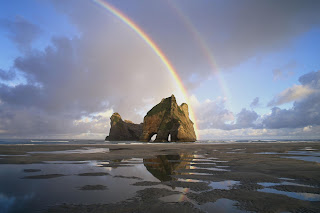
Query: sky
[251, 68]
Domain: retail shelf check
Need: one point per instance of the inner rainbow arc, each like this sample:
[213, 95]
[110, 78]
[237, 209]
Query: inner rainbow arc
[155, 48]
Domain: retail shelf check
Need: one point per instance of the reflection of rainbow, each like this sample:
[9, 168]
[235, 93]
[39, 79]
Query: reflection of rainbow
[203, 46]
[154, 47]
[183, 195]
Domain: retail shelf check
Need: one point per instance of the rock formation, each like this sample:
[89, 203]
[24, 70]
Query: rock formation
[123, 130]
[167, 118]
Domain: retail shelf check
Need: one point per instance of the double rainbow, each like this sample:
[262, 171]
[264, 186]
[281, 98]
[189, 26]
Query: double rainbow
[203, 46]
[155, 48]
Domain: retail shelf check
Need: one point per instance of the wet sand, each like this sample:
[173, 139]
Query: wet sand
[255, 177]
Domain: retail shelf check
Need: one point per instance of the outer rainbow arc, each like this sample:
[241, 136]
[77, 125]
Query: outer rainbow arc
[154, 47]
[203, 46]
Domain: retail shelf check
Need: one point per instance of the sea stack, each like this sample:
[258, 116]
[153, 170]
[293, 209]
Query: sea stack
[123, 130]
[168, 119]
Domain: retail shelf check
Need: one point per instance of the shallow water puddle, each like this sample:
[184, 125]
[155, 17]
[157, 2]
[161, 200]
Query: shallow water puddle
[175, 198]
[67, 162]
[189, 180]
[305, 158]
[86, 150]
[209, 168]
[267, 153]
[195, 173]
[308, 149]
[221, 205]
[227, 184]
[297, 195]
[31, 194]
[289, 179]
[306, 155]
[221, 161]
[268, 184]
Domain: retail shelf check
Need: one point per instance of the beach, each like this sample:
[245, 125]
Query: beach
[168, 177]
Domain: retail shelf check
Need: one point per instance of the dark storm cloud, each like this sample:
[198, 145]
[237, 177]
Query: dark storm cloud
[108, 66]
[35, 123]
[239, 30]
[304, 112]
[72, 79]
[7, 75]
[233, 31]
[20, 31]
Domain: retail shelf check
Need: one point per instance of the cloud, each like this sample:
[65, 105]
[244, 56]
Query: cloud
[261, 134]
[302, 117]
[21, 31]
[245, 119]
[72, 80]
[231, 31]
[106, 67]
[304, 112]
[255, 102]
[237, 31]
[7, 75]
[284, 72]
[211, 113]
[294, 93]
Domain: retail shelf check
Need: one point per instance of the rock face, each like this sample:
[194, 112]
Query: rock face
[123, 130]
[167, 118]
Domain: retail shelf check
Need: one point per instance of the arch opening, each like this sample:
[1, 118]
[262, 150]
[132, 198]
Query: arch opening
[169, 138]
[153, 137]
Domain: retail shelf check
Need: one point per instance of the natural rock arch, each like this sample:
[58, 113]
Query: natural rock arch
[167, 118]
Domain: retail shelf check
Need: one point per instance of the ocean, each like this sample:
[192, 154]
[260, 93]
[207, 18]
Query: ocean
[95, 141]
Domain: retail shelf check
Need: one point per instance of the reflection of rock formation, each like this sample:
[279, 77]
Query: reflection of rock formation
[167, 118]
[163, 166]
[123, 130]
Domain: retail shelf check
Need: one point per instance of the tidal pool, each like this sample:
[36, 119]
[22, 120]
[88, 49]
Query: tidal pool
[297, 195]
[306, 155]
[91, 182]
[221, 205]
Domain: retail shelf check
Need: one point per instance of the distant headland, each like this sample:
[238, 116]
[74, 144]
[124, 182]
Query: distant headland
[166, 120]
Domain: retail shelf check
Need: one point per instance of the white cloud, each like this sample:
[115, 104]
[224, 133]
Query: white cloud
[294, 93]
[260, 134]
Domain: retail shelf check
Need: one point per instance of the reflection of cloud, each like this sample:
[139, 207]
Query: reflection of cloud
[8, 202]
[255, 102]
[284, 72]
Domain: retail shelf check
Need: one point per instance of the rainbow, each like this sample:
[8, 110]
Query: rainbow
[183, 196]
[156, 50]
[203, 46]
